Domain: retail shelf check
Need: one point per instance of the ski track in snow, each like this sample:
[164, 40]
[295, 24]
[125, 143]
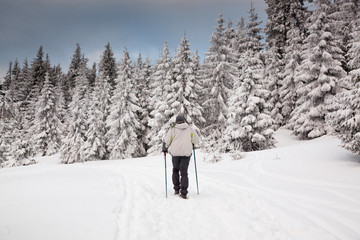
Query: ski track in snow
[248, 199]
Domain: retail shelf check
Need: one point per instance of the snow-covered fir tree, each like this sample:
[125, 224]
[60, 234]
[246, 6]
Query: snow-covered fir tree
[15, 148]
[47, 124]
[320, 72]
[15, 89]
[346, 120]
[160, 88]
[143, 75]
[7, 125]
[283, 17]
[273, 78]
[108, 65]
[240, 44]
[184, 99]
[38, 72]
[199, 84]
[74, 67]
[296, 15]
[288, 90]
[92, 75]
[60, 101]
[123, 122]
[95, 145]
[71, 150]
[342, 16]
[220, 74]
[7, 79]
[249, 124]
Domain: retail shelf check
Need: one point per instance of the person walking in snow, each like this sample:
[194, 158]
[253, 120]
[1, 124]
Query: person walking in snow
[179, 141]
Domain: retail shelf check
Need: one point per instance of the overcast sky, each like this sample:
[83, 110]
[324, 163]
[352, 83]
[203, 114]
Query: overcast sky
[140, 25]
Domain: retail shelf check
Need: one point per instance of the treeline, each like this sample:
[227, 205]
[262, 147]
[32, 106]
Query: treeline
[305, 76]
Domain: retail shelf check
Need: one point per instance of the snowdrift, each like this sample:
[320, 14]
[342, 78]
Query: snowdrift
[300, 190]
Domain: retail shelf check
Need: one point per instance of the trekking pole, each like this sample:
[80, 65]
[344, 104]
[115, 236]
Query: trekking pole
[165, 176]
[197, 183]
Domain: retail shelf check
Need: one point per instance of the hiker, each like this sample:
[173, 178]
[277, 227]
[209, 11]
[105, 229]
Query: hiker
[179, 142]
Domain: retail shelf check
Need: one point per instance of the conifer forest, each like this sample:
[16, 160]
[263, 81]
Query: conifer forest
[300, 72]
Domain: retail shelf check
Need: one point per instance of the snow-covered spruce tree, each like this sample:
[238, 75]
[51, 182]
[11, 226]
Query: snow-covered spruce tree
[184, 99]
[143, 75]
[92, 75]
[7, 126]
[240, 43]
[95, 145]
[199, 89]
[296, 21]
[60, 101]
[288, 90]
[71, 150]
[73, 72]
[123, 122]
[22, 149]
[249, 125]
[7, 79]
[38, 72]
[343, 15]
[273, 78]
[47, 125]
[108, 65]
[283, 17]
[320, 72]
[160, 88]
[15, 86]
[220, 74]
[25, 80]
[15, 149]
[346, 120]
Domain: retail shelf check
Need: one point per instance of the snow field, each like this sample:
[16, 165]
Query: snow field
[299, 190]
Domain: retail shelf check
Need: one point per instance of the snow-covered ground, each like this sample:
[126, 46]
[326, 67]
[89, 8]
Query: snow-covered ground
[308, 190]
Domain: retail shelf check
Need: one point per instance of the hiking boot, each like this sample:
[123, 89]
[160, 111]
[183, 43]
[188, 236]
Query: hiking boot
[183, 196]
[176, 192]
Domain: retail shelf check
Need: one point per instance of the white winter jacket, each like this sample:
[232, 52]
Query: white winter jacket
[179, 140]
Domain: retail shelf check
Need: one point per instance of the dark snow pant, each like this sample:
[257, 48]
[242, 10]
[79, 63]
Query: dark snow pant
[180, 164]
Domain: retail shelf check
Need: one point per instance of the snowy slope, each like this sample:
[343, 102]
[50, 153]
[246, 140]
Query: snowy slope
[297, 191]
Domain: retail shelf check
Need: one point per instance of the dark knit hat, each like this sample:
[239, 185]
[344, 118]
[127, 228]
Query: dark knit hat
[180, 118]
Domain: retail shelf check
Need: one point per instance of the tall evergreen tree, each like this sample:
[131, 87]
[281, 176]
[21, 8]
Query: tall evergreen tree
[123, 122]
[77, 127]
[38, 73]
[184, 99]
[108, 65]
[95, 145]
[320, 72]
[220, 74]
[342, 16]
[7, 79]
[283, 17]
[293, 59]
[249, 124]
[142, 81]
[92, 75]
[161, 112]
[47, 125]
[74, 67]
[346, 119]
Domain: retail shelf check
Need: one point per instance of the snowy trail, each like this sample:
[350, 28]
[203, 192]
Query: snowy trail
[284, 193]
